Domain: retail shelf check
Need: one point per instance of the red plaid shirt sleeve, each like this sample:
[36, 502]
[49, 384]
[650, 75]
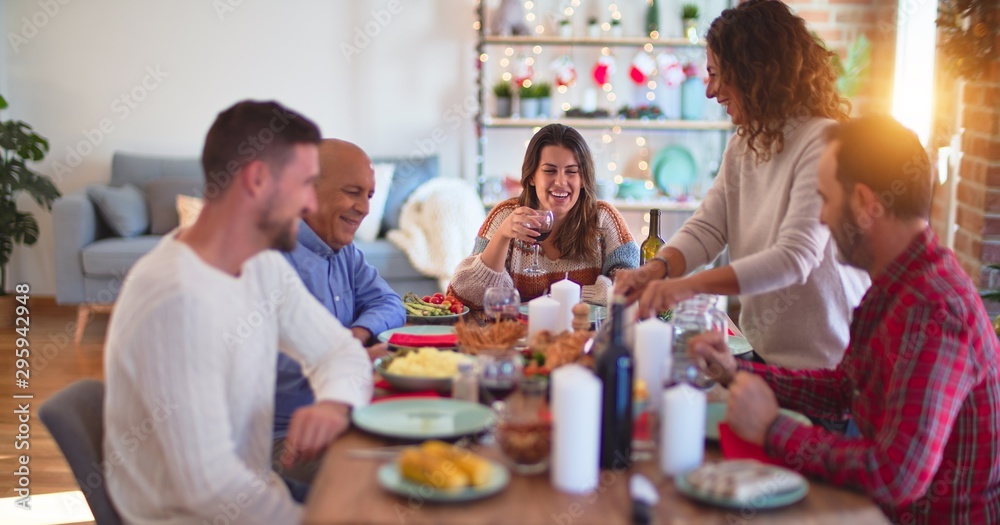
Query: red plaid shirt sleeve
[933, 375]
[817, 393]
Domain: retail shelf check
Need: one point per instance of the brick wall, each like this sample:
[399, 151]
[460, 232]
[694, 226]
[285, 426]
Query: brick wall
[839, 22]
[977, 238]
[977, 233]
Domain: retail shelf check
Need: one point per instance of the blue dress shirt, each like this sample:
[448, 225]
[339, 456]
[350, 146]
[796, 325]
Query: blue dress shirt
[352, 290]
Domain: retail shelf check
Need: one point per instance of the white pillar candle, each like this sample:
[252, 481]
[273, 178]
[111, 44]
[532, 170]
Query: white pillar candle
[682, 429]
[567, 293]
[653, 339]
[576, 429]
[543, 314]
[631, 318]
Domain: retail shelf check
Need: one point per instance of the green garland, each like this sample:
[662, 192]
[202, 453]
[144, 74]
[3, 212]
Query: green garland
[968, 35]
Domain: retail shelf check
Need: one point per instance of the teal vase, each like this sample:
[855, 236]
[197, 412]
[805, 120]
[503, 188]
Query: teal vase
[693, 99]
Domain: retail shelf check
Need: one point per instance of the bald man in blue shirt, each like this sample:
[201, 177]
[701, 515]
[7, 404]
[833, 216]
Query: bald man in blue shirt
[336, 273]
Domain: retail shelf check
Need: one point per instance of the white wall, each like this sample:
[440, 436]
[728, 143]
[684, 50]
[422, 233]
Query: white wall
[396, 96]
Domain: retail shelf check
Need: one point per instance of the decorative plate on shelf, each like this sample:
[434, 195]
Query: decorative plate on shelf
[674, 170]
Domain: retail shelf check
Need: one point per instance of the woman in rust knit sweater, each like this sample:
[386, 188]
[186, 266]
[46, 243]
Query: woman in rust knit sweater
[589, 238]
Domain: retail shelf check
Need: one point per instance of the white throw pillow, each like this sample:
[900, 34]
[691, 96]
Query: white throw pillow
[370, 226]
[188, 209]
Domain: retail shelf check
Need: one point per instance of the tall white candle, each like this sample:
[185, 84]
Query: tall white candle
[576, 429]
[682, 429]
[653, 339]
[543, 314]
[568, 294]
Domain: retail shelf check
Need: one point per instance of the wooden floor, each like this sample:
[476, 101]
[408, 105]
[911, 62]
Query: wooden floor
[55, 362]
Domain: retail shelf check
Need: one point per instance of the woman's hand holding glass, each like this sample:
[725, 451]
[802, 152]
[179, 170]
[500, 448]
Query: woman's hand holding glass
[522, 225]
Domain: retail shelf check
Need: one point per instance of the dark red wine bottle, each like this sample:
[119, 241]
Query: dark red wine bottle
[614, 368]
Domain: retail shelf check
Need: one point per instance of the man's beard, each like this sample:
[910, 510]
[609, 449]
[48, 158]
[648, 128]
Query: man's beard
[281, 233]
[850, 241]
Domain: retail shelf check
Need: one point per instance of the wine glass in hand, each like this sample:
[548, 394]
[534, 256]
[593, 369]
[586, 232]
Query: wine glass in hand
[544, 218]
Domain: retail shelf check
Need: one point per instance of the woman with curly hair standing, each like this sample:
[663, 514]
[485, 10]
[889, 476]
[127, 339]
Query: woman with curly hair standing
[589, 240]
[778, 86]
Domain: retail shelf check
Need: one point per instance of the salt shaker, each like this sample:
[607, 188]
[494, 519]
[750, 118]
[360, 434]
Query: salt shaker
[581, 317]
[465, 386]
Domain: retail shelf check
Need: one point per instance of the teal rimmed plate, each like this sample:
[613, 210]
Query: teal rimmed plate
[391, 480]
[424, 418]
[770, 500]
[416, 330]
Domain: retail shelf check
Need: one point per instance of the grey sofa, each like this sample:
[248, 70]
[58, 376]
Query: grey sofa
[91, 260]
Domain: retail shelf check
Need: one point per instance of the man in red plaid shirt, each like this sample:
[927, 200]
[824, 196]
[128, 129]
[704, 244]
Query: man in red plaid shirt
[920, 376]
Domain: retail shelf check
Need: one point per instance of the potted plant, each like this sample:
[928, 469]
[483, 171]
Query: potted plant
[653, 20]
[616, 27]
[19, 145]
[527, 101]
[543, 92]
[689, 19]
[593, 28]
[502, 91]
[565, 28]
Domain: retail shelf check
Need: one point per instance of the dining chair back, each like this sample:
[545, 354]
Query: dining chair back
[75, 418]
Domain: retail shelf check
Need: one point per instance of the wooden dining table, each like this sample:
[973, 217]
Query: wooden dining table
[346, 491]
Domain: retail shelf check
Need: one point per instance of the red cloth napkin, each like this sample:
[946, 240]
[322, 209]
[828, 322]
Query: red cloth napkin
[437, 341]
[384, 385]
[735, 447]
[640, 427]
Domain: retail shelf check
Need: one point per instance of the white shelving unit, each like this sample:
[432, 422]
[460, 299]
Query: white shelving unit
[634, 211]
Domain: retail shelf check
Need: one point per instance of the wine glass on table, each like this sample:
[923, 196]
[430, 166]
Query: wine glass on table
[501, 303]
[545, 220]
[499, 375]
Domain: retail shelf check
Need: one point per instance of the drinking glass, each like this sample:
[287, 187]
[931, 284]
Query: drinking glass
[692, 317]
[501, 303]
[545, 219]
[499, 375]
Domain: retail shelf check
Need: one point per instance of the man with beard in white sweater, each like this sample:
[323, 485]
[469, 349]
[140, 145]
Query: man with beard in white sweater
[193, 342]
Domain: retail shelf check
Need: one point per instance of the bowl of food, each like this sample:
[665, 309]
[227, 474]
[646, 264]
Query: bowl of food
[421, 369]
[437, 309]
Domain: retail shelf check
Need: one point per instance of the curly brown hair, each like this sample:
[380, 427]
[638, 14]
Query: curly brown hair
[782, 70]
[577, 237]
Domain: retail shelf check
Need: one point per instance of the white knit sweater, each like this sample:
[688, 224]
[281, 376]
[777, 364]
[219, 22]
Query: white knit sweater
[190, 364]
[797, 299]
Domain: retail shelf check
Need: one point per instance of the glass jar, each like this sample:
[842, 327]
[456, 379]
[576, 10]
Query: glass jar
[694, 316]
[524, 432]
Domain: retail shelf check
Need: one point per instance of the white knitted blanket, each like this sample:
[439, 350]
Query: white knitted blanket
[438, 226]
